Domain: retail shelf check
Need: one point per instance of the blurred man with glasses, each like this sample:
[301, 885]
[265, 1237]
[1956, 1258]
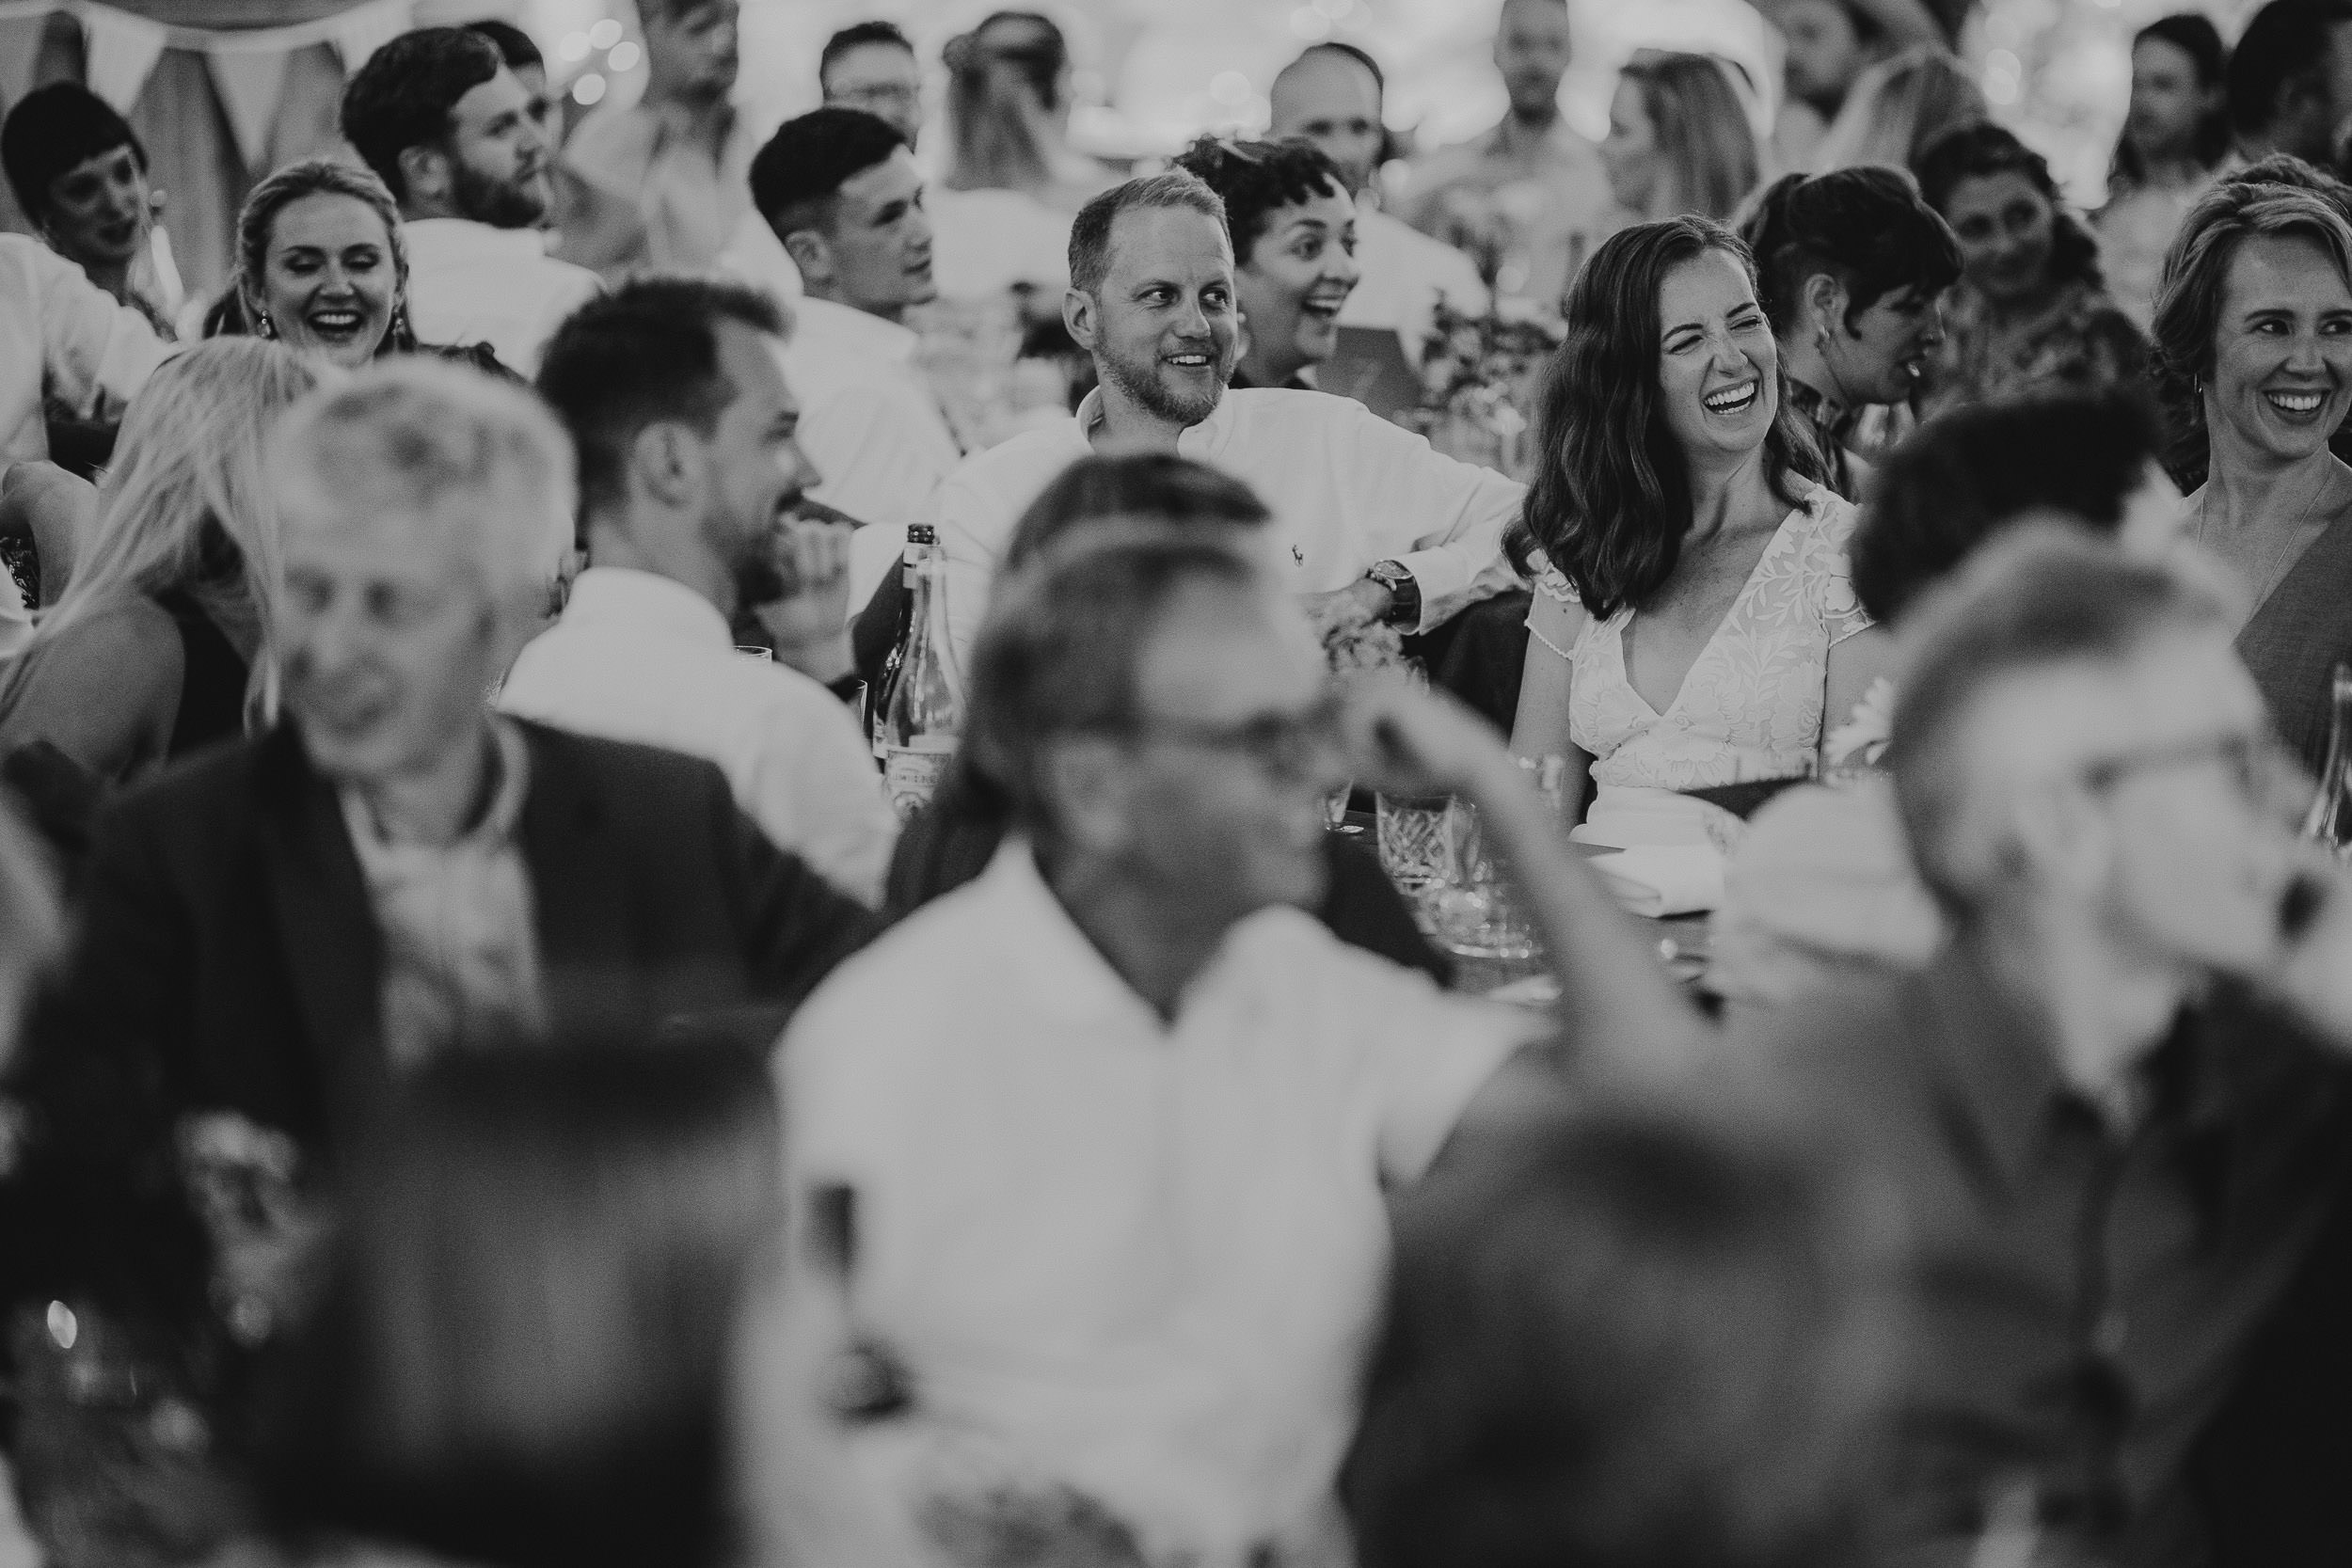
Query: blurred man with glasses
[2104, 1108]
[1118, 1118]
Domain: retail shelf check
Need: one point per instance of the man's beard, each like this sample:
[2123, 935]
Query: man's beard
[500, 203]
[1142, 384]
[755, 564]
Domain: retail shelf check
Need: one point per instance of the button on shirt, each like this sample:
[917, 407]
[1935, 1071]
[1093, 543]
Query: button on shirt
[461, 946]
[1346, 489]
[642, 659]
[867, 417]
[1144, 1257]
[2083, 1286]
[471, 283]
[64, 339]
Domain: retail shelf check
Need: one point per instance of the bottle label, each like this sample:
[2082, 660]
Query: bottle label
[911, 772]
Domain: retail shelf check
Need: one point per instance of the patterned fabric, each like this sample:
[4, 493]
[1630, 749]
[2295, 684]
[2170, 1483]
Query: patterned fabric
[1834, 426]
[1751, 707]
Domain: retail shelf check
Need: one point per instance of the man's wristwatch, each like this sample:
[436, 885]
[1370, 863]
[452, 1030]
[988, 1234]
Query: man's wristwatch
[1404, 592]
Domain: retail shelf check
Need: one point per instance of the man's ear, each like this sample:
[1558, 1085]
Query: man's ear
[1087, 784]
[425, 171]
[811, 254]
[662, 462]
[1079, 314]
[1825, 301]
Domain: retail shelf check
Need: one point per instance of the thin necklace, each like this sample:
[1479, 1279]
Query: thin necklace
[2279, 554]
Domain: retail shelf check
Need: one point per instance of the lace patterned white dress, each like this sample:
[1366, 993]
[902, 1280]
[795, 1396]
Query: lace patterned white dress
[1750, 707]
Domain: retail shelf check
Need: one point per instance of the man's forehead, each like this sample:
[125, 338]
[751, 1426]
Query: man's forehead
[2176, 686]
[1222, 649]
[496, 96]
[877, 60]
[752, 361]
[894, 179]
[1179, 244]
[389, 543]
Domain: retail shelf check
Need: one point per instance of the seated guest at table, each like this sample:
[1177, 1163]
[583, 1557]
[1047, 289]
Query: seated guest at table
[841, 191]
[1679, 143]
[1633, 1335]
[163, 641]
[951, 842]
[1693, 625]
[588, 224]
[2283, 94]
[871, 66]
[1118, 1118]
[688, 469]
[1001, 211]
[2030, 312]
[1332, 95]
[279, 928]
[2175, 141]
[2255, 321]
[1850, 269]
[1292, 226]
[1363, 509]
[522, 1353]
[1821, 883]
[448, 131]
[2109, 1157]
[323, 267]
[79, 173]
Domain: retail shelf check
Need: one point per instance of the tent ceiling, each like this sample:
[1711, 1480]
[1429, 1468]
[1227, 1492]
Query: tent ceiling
[234, 13]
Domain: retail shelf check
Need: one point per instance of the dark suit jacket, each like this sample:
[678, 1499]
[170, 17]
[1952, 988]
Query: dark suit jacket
[228, 957]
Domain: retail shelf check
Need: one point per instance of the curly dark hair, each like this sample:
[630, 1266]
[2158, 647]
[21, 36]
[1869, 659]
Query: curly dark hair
[1257, 179]
[1611, 502]
[1867, 227]
[1975, 152]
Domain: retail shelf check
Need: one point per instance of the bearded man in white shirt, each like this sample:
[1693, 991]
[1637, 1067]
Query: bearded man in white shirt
[691, 473]
[1363, 510]
[1332, 95]
[840, 189]
[1117, 1122]
[448, 129]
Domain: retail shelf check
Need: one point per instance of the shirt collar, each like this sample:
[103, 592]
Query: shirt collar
[1068, 975]
[458, 239]
[646, 604]
[492, 834]
[846, 329]
[1201, 440]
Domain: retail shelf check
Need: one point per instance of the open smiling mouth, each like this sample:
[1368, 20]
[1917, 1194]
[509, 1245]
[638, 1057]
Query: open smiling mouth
[334, 323]
[1190, 361]
[1734, 400]
[2297, 404]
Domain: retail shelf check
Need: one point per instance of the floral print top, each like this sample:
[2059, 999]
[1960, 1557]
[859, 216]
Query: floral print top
[1751, 707]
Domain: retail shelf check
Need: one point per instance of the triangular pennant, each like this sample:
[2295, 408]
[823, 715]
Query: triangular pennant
[249, 86]
[362, 30]
[122, 50]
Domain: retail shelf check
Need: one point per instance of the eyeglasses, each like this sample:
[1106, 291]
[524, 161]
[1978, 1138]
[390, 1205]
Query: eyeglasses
[1285, 745]
[879, 92]
[2261, 769]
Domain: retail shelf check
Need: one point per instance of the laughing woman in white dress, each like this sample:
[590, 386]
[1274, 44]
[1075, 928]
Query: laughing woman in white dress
[1693, 621]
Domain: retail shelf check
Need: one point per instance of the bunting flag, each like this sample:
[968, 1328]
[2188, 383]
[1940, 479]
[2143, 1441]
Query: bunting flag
[122, 50]
[247, 65]
[250, 85]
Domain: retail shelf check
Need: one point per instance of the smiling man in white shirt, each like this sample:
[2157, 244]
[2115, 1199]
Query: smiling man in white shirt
[447, 126]
[1363, 509]
[840, 189]
[689, 469]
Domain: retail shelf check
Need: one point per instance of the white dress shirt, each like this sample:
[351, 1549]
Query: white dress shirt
[1403, 273]
[1346, 489]
[471, 283]
[62, 339]
[642, 659]
[870, 425]
[1143, 1258]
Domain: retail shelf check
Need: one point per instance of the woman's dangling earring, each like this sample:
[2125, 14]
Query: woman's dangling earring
[262, 324]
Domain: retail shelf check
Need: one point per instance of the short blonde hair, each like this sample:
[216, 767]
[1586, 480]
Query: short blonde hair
[483, 464]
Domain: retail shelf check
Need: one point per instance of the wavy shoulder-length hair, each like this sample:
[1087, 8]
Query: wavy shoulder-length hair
[188, 500]
[2197, 272]
[1611, 502]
